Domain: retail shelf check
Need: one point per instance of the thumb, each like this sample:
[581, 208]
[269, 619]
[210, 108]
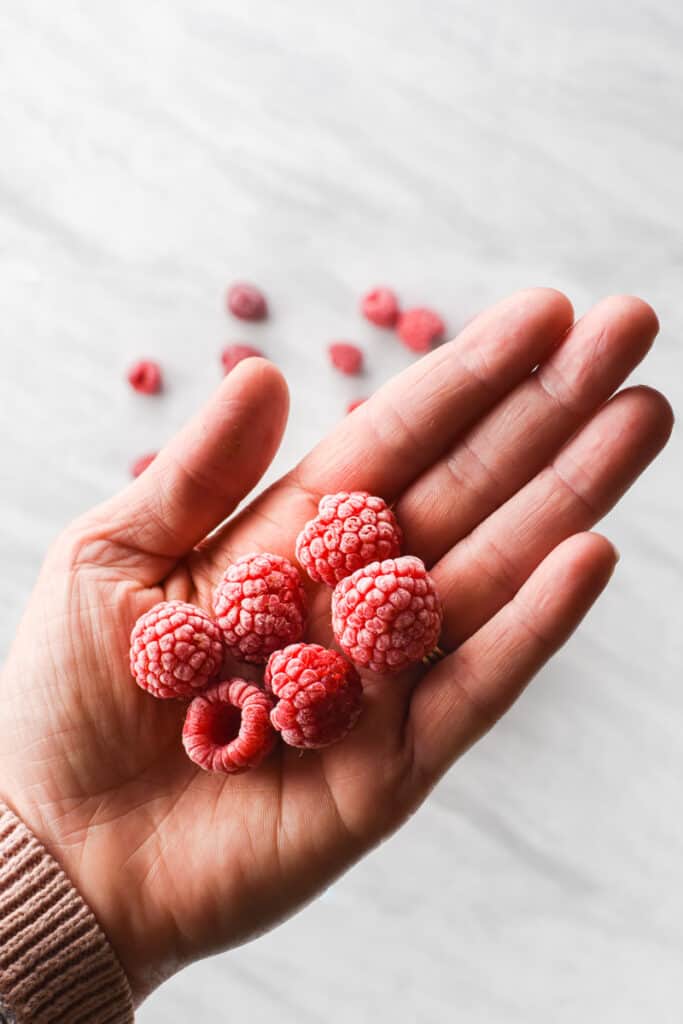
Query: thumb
[203, 473]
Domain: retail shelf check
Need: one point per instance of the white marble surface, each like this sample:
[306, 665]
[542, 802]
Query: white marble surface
[153, 151]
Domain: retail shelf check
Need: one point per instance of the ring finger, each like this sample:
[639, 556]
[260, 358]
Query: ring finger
[484, 571]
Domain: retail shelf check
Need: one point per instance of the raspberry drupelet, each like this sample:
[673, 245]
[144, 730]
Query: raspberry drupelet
[227, 727]
[387, 615]
[260, 606]
[351, 529]
[175, 650]
[319, 695]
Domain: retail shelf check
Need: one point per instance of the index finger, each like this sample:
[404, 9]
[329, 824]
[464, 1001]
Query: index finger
[406, 425]
[410, 422]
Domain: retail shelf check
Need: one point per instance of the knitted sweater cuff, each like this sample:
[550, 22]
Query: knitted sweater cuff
[56, 966]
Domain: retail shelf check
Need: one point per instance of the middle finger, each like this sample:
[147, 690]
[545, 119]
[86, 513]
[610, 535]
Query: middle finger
[518, 437]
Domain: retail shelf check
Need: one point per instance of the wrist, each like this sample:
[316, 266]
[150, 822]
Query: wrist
[55, 961]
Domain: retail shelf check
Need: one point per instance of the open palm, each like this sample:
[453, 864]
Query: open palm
[498, 451]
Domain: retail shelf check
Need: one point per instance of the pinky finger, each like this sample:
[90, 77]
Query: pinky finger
[464, 695]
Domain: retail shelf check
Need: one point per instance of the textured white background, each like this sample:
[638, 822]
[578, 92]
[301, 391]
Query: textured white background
[149, 153]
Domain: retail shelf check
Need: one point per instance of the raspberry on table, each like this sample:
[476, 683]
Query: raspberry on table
[246, 301]
[355, 404]
[319, 695]
[234, 354]
[141, 463]
[387, 615]
[145, 377]
[175, 650]
[260, 606]
[420, 328]
[228, 728]
[380, 307]
[350, 530]
[346, 357]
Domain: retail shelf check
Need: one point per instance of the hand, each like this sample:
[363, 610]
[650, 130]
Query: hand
[496, 470]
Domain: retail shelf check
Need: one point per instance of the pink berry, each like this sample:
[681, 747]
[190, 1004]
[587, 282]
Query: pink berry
[260, 606]
[350, 530]
[141, 463]
[354, 404]
[319, 695]
[387, 615]
[234, 354]
[346, 357]
[175, 650]
[380, 306]
[246, 301]
[227, 727]
[420, 328]
[145, 377]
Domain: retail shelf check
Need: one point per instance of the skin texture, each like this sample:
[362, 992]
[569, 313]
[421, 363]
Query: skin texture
[496, 469]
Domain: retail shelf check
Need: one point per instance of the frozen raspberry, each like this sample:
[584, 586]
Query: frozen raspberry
[355, 403]
[346, 357]
[145, 376]
[420, 328]
[387, 616]
[141, 464]
[246, 301]
[350, 530]
[175, 650]
[227, 727]
[380, 306]
[260, 606]
[234, 354]
[319, 695]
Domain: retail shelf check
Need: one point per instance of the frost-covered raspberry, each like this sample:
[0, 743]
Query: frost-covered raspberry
[319, 695]
[175, 650]
[380, 306]
[234, 354]
[246, 301]
[420, 328]
[260, 606]
[346, 357]
[141, 463]
[145, 377]
[227, 727]
[387, 615]
[350, 530]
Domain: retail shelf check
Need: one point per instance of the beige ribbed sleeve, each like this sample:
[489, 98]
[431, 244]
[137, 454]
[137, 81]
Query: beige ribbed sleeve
[56, 966]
